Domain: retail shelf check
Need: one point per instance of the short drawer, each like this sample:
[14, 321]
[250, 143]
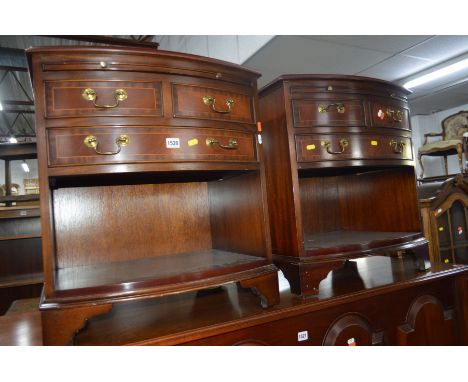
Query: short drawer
[102, 98]
[386, 115]
[193, 101]
[320, 147]
[328, 112]
[80, 146]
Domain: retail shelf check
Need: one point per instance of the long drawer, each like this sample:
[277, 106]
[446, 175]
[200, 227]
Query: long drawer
[321, 147]
[75, 146]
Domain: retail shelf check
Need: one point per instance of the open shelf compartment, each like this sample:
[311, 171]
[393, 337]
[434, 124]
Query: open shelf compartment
[173, 232]
[353, 210]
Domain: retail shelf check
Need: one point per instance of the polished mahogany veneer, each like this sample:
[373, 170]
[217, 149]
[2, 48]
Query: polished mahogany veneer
[148, 145]
[64, 98]
[370, 301]
[340, 174]
[152, 180]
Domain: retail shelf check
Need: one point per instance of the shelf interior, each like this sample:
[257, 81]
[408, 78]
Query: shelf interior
[156, 271]
[152, 234]
[20, 280]
[359, 210]
[348, 241]
[20, 259]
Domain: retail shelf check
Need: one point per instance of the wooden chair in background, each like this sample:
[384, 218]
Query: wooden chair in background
[453, 128]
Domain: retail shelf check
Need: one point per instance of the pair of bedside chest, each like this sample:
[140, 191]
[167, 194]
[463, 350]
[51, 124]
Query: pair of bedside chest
[160, 174]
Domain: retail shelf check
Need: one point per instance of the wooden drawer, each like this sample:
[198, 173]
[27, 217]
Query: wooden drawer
[387, 115]
[102, 98]
[68, 147]
[321, 147]
[328, 112]
[193, 101]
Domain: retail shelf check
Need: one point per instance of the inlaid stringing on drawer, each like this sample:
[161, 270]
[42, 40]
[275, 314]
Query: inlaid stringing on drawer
[387, 115]
[193, 101]
[102, 98]
[77, 146]
[320, 147]
[328, 112]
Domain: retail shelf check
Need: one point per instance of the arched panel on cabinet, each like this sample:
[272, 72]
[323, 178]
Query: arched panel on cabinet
[427, 323]
[352, 329]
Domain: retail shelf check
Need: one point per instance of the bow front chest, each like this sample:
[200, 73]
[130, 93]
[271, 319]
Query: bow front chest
[152, 180]
[340, 174]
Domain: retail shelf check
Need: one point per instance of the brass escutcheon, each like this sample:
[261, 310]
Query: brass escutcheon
[89, 94]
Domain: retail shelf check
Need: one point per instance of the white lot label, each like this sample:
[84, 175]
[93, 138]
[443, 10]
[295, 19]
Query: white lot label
[173, 143]
[303, 336]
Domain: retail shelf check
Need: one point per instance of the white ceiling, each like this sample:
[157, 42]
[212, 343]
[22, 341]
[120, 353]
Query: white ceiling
[391, 58]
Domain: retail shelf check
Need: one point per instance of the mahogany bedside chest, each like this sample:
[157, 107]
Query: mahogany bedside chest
[340, 174]
[152, 180]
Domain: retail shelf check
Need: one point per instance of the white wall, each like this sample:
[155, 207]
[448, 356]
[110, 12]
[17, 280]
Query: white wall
[17, 173]
[236, 49]
[422, 124]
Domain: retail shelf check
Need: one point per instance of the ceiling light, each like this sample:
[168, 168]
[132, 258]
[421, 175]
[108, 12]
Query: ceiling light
[25, 166]
[1, 106]
[13, 140]
[437, 74]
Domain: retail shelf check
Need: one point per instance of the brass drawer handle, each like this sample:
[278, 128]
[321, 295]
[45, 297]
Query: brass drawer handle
[396, 115]
[232, 144]
[91, 95]
[92, 142]
[343, 144]
[398, 147]
[210, 101]
[340, 108]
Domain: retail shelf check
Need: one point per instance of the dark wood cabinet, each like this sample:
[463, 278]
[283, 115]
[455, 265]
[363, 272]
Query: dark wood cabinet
[444, 214]
[374, 300]
[20, 233]
[371, 301]
[20, 254]
[340, 174]
[152, 180]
